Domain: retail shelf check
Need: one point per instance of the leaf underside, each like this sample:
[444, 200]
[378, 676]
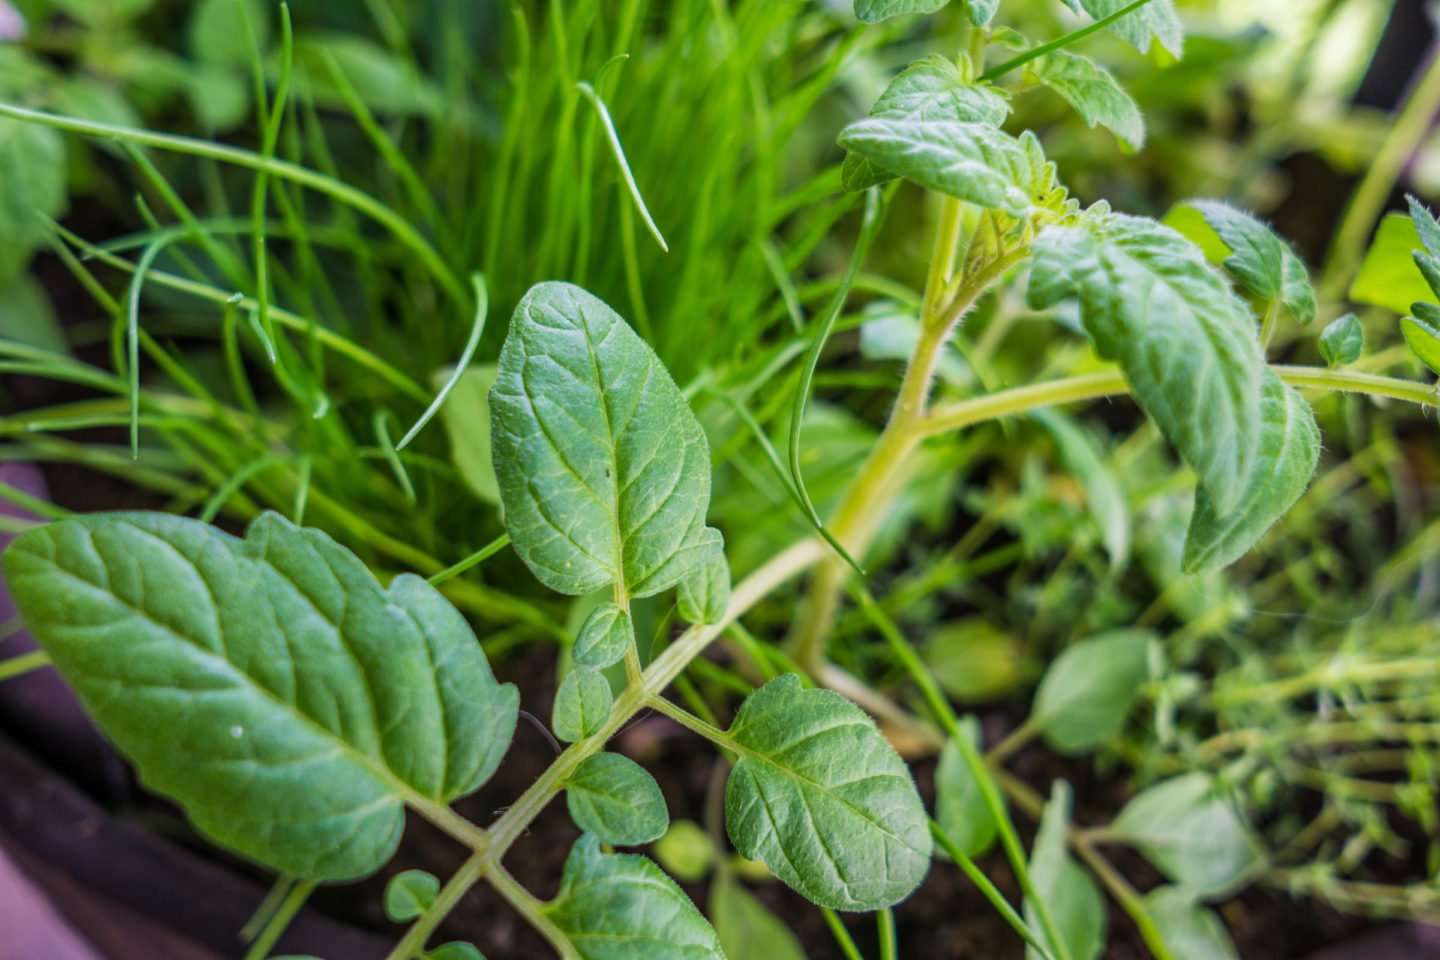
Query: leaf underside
[614, 798]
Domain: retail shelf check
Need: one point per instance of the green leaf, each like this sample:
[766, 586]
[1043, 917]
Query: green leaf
[1082, 455]
[873, 11]
[1188, 930]
[1266, 266]
[823, 800]
[1089, 689]
[32, 188]
[410, 893]
[1423, 339]
[582, 704]
[1342, 341]
[1289, 451]
[455, 950]
[608, 632]
[746, 928]
[604, 471]
[29, 318]
[960, 806]
[270, 685]
[705, 594]
[1426, 227]
[930, 89]
[218, 35]
[1094, 93]
[982, 11]
[974, 660]
[466, 416]
[1074, 902]
[1188, 347]
[622, 907]
[1388, 276]
[1192, 834]
[686, 850]
[613, 797]
[1157, 19]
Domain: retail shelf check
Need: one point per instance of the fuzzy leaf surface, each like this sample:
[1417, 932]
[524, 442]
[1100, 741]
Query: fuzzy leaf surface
[873, 11]
[623, 907]
[1187, 345]
[1289, 451]
[270, 685]
[1423, 339]
[604, 471]
[1094, 93]
[1264, 264]
[704, 595]
[823, 799]
[582, 704]
[614, 798]
[1157, 20]
[1342, 341]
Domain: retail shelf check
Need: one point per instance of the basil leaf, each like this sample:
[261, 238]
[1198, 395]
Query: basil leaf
[1342, 341]
[823, 799]
[930, 89]
[1089, 689]
[960, 806]
[1094, 93]
[614, 798]
[1289, 451]
[1266, 266]
[705, 594]
[873, 11]
[1192, 834]
[608, 632]
[622, 906]
[410, 893]
[582, 704]
[1070, 895]
[746, 928]
[1423, 339]
[270, 685]
[466, 416]
[1187, 345]
[1190, 931]
[1158, 19]
[604, 471]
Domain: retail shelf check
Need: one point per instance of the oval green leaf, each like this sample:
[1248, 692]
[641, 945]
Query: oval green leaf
[410, 893]
[604, 471]
[1189, 930]
[1088, 690]
[270, 685]
[1423, 341]
[613, 797]
[823, 800]
[1342, 341]
[960, 806]
[608, 632]
[873, 11]
[1192, 834]
[704, 595]
[1070, 895]
[582, 704]
[746, 928]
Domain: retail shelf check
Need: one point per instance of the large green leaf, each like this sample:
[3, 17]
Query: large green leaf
[1266, 266]
[823, 799]
[873, 11]
[1157, 19]
[1187, 345]
[1192, 833]
[623, 907]
[1073, 899]
[1094, 93]
[613, 797]
[270, 685]
[604, 471]
[1089, 689]
[930, 89]
[1289, 451]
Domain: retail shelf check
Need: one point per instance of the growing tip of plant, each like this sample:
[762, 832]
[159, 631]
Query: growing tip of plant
[588, 92]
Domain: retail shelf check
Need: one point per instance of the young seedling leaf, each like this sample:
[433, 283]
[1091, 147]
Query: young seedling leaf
[582, 704]
[410, 893]
[622, 906]
[613, 797]
[1266, 266]
[467, 423]
[1074, 901]
[1187, 345]
[1423, 339]
[873, 11]
[604, 471]
[929, 90]
[1289, 451]
[746, 927]
[824, 800]
[704, 595]
[1094, 93]
[1089, 689]
[1157, 19]
[269, 685]
[455, 950]
[1192, 834]
[1189, 930]
[1342, 341]
[608, 632]
[1082, 455]
[960, 805]
[1388, 276]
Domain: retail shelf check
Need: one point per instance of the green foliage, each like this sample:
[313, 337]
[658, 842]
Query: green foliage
[1388, 276]
[823, 800]
[686, 851]
[1192, 833]
[1157, 19]
[1342, 341]
[746, 927]
[1083, 457]
[607, 633]
[466, 416]
[1423, 339]
[32, 189]
[612, 797]
[621, 906]
[960, 806]
[704, 594]
[409, 894]
[873, 11]
[1266, 266]
[582, 704]
[604, 471]
[1094, 93]
[455, 950]
[1089, 689]
[1071, 896]
[237, 674]
[1190, 931]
